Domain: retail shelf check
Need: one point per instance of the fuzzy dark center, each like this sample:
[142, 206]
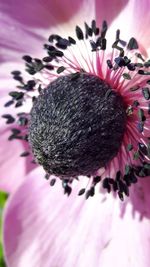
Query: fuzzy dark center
[77, 125]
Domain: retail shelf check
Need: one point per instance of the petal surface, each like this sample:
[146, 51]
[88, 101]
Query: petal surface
[25, 25]
[13, 168]
[42, 227]
[108, 10]
[50, 14]
[134, 21]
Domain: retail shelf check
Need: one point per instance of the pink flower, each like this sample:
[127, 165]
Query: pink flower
[42, 227]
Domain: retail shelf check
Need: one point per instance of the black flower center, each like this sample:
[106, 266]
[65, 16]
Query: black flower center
[77, 125]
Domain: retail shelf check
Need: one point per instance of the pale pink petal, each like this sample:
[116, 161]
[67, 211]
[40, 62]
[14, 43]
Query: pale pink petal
[43, 227]
[134, 21]
[40, 13]
[13, 168]
[16, 40]
[51, 13]
[25, 25]
[140, 197]
[108, 10]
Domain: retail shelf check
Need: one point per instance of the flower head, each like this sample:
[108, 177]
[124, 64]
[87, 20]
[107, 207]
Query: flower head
[90, 109]
[41, 225]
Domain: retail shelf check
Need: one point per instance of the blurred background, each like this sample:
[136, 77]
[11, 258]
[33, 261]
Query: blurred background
[3, 198]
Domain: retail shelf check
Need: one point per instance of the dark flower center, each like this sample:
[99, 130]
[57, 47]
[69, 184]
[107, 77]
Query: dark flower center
[77, 125]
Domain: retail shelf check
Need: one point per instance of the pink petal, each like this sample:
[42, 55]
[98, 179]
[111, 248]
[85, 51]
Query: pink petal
[25, 25]
[39, 13]
[52, 13]
[13, 167]
[108, 10]
[43, 227]
[140, 197]
[134, 21]
[16, 40]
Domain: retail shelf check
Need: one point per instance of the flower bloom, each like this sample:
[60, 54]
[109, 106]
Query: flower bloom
[85, 113]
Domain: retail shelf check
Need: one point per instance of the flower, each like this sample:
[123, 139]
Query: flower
[123, 74]
[109, 89]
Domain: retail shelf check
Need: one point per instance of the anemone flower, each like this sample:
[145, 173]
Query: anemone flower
[82, 107]
[17, 25]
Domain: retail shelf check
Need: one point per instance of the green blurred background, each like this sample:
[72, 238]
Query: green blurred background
[3, 199]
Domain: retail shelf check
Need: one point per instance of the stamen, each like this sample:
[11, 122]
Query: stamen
[132, 44]
[25, 154]
[79, 33]
[9, 118]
